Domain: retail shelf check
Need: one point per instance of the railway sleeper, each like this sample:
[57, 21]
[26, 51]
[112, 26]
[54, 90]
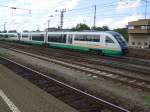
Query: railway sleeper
[70, 98]
[84, 105]
[59, 94]
[92, 109]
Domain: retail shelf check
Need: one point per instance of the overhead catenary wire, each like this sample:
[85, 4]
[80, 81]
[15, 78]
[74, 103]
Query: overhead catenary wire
[90, 6]
[14, 8]
[103, 11]
[100, 13]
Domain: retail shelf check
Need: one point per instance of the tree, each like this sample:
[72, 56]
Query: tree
[103, 28]
[25, 31]
[4, 31]
[12, 31]
[123, 31]
[81, 27]
[37, 31]
[97, 28]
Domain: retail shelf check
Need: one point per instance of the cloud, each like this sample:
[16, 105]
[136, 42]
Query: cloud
[118, 23]
[41, 10]
[73, 21]
[124, 5]
[105, 22]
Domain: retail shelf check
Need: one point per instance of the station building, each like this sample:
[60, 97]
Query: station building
[139, 33]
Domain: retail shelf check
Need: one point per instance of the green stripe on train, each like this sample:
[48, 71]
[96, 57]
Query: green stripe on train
[79, 48]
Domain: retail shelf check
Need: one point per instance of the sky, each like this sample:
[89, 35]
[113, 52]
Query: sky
[33, 14]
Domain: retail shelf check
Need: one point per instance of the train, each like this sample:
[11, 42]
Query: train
[107, 43]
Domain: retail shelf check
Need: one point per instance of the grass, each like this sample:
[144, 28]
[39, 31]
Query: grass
[4, 53]
[147, 99]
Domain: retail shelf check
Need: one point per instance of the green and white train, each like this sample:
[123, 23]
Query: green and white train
[108, 43]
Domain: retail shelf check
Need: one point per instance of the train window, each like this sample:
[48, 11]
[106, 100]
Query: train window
[59, 38]
[6, 36]
[109, 40]
[93, 38]
[80, 37]
[96, 39]
[38, 37]
[24, 36]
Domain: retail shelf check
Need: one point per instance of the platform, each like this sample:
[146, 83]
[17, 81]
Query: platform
[26, 96]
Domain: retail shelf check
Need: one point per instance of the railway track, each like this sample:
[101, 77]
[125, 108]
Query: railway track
[130, 64]
[116, 77]
[76, 98]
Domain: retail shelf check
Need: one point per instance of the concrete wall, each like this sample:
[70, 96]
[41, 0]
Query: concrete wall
[139, 40]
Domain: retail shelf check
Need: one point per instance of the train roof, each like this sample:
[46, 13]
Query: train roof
[113, 32]
[69, 32]
[75, 32]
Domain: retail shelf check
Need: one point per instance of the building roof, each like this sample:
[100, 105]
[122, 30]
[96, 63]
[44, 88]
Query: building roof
[140, 22]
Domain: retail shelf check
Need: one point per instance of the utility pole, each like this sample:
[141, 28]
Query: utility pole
[61, 17]
[145, 8]
[48, 24]
[38, 28]
[145, 1]
[94, 24]
[4, 27]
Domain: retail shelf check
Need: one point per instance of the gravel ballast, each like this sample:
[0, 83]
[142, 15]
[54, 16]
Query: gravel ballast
[133, 99]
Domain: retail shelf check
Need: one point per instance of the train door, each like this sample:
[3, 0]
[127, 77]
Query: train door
[70, 39]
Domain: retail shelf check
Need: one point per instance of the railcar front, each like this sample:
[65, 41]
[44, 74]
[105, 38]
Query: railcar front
[9, 36]
[117, 42]
[121, 41]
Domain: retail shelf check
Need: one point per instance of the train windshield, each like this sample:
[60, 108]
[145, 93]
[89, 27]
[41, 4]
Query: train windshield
[120, 40]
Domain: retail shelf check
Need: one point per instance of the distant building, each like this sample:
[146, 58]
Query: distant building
[139, 33]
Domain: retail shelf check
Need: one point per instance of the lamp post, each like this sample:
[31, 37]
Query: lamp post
[48, 23]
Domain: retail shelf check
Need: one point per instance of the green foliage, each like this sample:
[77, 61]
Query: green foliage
[80, 27]
[123, 31]
[12, 31]
[106, 28]
[103, 28]
[26, 31]
[3, 31]
[4, 53]
[147, 99]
